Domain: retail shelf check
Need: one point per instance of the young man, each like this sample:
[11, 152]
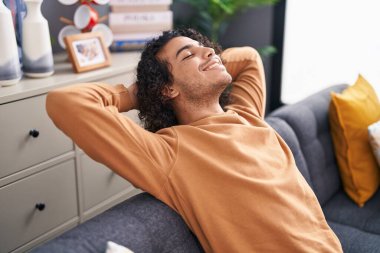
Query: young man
[223, 169]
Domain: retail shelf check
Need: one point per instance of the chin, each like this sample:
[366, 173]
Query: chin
[225, 79]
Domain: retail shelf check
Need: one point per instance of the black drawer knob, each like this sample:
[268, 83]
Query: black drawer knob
[40, 206]
[34, 133]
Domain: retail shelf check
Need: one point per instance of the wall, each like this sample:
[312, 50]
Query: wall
[329, 42]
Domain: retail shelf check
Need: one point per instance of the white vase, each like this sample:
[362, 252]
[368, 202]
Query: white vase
[10, 71]
[36, 45]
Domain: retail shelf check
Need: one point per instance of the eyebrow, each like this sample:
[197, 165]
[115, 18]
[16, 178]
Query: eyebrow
[183, 48]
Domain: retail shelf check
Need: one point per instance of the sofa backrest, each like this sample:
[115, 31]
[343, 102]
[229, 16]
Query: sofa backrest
[304, 126]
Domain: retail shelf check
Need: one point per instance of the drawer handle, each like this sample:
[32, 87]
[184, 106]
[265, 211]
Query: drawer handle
[34, 133]
[40, 206]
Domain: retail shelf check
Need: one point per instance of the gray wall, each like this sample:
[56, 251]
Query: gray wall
[253, 28]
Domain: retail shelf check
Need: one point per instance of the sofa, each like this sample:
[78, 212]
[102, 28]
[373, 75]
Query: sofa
[144, 224]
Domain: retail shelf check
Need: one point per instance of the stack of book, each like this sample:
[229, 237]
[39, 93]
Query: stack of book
[135, 22]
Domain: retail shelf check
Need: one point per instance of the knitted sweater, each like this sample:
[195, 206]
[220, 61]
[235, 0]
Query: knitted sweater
[230, 176]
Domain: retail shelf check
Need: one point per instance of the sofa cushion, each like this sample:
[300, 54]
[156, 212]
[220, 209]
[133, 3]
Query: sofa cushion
[309, 121]
[354, 240]
[350, 114]
[287, 133]
[142, 224]
[341, 209]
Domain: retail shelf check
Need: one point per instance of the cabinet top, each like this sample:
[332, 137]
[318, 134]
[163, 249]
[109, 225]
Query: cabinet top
[64, 75]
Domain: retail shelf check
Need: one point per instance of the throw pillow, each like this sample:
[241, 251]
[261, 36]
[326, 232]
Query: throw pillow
[350, 114]
[374, 139]
[116, 248]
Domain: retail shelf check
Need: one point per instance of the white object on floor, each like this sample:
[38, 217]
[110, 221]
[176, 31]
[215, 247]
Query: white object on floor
[116, 248]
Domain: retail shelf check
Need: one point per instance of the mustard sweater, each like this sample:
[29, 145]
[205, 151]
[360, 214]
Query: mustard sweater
[230, 176]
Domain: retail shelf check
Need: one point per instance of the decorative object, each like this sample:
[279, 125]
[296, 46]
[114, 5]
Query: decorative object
[10, 72]
[350, 114]
[86, 19]
[87, 51]
[65, 31]
[36, 45]
[18, 11]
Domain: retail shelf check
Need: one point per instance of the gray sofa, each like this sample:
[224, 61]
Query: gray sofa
[144, 224]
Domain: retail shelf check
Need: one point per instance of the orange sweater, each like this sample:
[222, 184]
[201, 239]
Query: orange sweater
[230, 176]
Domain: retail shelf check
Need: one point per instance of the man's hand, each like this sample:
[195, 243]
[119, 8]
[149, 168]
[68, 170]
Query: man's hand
[132, 90]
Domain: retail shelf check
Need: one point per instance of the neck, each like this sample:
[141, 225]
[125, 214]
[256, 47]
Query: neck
[189, 112]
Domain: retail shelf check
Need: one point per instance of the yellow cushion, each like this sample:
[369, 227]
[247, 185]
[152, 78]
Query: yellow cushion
[350, 114]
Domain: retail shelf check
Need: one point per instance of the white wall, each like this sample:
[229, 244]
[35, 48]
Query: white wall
[329, 42]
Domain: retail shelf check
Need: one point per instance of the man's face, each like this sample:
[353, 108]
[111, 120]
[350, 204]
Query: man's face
[198, 73]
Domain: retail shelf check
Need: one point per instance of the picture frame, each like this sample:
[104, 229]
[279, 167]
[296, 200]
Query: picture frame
[87, 51]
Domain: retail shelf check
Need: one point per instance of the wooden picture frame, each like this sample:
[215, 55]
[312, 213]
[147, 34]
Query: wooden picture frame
[87, 51]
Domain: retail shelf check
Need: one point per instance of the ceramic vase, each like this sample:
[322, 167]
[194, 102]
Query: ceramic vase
[36, 45]
[10, 72]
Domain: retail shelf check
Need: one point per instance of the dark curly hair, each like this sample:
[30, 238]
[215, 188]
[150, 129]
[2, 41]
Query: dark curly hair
[153, 74]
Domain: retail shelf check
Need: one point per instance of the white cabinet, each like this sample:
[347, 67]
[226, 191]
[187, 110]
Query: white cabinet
[36, 204]
[100, 186]
[47, 184]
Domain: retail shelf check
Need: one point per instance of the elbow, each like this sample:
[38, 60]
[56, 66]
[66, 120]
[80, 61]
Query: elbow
[55, 104]
[251, 54]
[51, 103]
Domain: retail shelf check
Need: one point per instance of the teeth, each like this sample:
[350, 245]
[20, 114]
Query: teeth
[212, 66]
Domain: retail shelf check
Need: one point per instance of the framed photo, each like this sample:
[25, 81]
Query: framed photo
[87, 51]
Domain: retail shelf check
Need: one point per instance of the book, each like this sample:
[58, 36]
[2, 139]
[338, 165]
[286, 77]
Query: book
[139, 2]
[127, 45]
[139, 8]
[135, 36]
[140, 18]
[142, 28]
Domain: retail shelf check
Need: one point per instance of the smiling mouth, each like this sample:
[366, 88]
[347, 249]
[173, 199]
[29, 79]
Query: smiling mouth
[211, 64]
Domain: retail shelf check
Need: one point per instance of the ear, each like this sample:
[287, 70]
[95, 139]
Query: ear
[170, 91]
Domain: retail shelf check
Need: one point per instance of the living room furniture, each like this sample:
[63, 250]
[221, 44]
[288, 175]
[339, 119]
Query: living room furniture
[144, 224]
[47, 184]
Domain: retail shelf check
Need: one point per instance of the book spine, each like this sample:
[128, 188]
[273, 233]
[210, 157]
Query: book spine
[139, 8]
[140, 18]
[135, 36]
[140, 2]
[127, 45]
[142, 28]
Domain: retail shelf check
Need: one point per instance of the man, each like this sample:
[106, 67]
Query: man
[223, 169]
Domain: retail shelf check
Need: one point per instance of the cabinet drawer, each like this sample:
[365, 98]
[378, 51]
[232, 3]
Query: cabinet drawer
[20, 219]
[99, 182]
[18, 148]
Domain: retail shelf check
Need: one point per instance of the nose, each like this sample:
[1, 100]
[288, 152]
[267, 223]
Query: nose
[208, 52]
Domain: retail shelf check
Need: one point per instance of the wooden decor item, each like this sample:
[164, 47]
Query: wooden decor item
[87, 51]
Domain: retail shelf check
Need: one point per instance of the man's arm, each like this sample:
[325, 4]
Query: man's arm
[90, 115]
[248, 79]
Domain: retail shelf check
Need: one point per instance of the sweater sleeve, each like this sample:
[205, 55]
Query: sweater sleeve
[90, 115]
[248, 80]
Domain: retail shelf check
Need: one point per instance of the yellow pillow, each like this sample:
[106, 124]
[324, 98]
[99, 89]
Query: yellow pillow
[350, 113]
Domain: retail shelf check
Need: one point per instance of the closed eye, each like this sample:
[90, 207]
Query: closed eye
[187, 57]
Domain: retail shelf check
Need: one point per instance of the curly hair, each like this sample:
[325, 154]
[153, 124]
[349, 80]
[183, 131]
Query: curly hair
[153, 74]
